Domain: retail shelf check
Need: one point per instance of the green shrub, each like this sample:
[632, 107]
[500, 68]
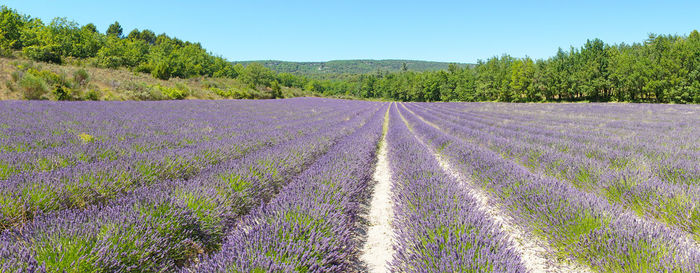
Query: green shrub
[156, 94]
[7, 53]
[223, 93]
[48, 76]
[61, 92]
[162, 71]
[276, 90]
[142, 91]
[48, 53]
[144, 68]
[112, 62]
[240, 94]
[213, 84]
[92, 94]
[81, 77]
[175, 93]
[33, 87]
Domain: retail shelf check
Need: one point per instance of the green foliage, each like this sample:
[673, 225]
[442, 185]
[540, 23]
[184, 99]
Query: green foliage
[86, 138]
[89, 28]
[61, 93]
[336, 69]
[255, 74]
[162, 70]
[120, 52]
[175, 93]
[115, 30]
[235, 93]
[81, 77]
[662, 69]
[162, 56]
[314, 86]
[11, 24]
[35, 83]
[33, 87]
[220, 92]
[276, 90]
[145, 35]
[142, 91]
[92, 94]
[46, 53]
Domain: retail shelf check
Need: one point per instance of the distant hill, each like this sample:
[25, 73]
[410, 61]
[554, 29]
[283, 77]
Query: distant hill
[344, 67]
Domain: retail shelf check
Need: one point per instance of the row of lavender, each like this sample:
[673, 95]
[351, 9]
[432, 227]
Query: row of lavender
[631, 174]
[171, 222]
[578, 223]
[438, 225]
[311, 226]
[90, 178]
[662, 137]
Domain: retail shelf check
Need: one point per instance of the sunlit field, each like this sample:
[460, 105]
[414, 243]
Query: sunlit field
[286, 185]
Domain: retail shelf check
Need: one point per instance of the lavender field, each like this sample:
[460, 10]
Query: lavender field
[323, 185]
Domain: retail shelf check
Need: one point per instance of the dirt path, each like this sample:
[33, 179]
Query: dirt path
[534, 252]
[377, 250]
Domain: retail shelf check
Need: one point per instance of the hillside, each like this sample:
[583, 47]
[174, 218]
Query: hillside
[339, 67]
[26, 79]
[63, 60]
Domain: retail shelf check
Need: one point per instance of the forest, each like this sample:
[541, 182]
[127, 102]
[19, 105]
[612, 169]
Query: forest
[338, 69]
[660, 69]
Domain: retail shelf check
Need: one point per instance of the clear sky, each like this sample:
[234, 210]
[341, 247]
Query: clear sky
[453, 31]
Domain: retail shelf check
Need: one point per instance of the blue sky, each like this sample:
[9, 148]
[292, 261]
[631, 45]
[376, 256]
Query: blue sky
[454, 31]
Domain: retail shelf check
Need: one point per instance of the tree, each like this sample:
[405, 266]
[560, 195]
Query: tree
[134, 34]
[256, 74]
[10, 29]
[276, 90]
[314, 86]
[90, 27]
[523, 71]
[115, 30]
[148, 36]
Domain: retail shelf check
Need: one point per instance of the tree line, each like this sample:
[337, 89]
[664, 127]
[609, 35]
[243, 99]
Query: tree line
[337, 69]
[143, 51]
[663, 68]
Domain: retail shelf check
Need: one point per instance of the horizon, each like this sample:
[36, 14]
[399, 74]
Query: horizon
[434, 32]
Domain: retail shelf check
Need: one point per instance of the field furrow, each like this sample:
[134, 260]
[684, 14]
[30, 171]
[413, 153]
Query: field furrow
[377, 248]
